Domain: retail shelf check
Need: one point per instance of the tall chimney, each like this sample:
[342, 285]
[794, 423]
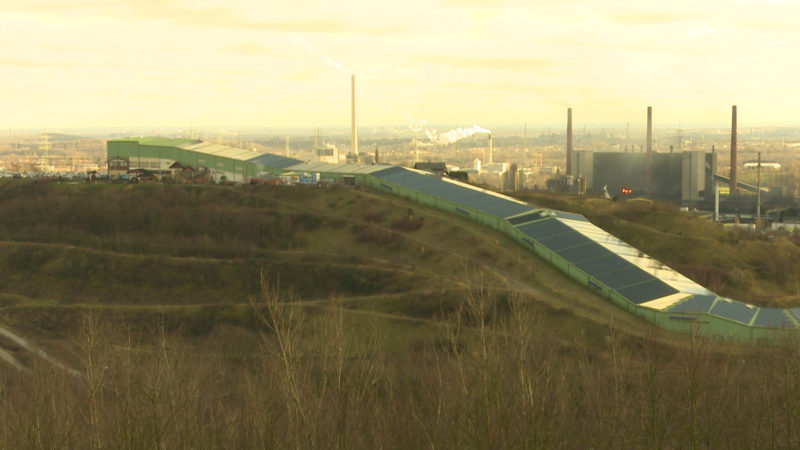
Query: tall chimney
[649, 168]
[734, 186]
[354, 131]
[490, 148]
[569, 141]
[377, 160]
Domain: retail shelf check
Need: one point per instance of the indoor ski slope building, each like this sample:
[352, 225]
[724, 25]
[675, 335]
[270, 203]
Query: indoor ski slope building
[592, 257]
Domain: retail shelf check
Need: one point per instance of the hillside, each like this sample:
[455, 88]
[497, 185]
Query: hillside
[92, 246]
[207, 316]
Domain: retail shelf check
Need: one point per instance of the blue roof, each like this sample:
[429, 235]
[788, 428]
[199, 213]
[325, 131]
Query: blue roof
[772, 317]
[543, 228]
[650, 290]
[604, 264]
[695, 303]
[628, 276]
[527, 217]
[584, 252]
[565, 240]
[274, 161]
[734, 310]
[459, 193]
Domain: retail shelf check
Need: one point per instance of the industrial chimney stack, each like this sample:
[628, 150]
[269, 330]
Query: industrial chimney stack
[354, 131]
[569, 141]
[734, 185]
[649, 168]
[490, 148]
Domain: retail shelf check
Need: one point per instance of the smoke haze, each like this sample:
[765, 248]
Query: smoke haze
[455, 134]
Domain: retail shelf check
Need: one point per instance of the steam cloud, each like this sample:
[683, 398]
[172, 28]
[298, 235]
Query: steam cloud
[455, 135]
[416, 125]
[324, 58]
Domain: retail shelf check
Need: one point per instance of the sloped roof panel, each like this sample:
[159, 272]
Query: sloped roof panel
[585, 252]
[647, 291]
[604, 264]
[236, 153]
[734, 310]
[628, 276]
[773, 318]
[318, 166]
[274, 161]
[528, 217]
[573, 216]
[479, 199]
[239, 154]
[638, 258]
[564, 240]
[159, 141]
[543, 228]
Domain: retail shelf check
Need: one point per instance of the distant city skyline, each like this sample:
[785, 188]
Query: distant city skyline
[636, 132]
[251, 64]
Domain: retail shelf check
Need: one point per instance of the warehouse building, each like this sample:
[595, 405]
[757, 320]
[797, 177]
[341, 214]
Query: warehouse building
[215, 162]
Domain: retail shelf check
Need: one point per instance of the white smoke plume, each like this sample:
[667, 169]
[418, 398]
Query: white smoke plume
[324, 58]
[416, 125]
[455, 135]
[419, 125]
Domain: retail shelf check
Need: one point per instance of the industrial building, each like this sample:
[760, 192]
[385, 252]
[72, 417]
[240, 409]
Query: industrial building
[164, 157]
[683, 177]
[590, 256]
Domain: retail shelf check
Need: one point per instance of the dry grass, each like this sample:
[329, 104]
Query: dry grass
[492, 375]
[453, 357]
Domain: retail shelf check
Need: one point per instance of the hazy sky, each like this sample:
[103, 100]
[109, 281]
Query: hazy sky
[73, 63]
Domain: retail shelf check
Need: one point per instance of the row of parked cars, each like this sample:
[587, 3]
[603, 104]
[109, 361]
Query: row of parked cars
[61, 175]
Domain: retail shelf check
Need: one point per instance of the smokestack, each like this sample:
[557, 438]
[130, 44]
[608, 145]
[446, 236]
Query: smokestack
[649, 168]
[569, 141]
[734, 186]
[377, 161]
[490, 148]
[354, 132]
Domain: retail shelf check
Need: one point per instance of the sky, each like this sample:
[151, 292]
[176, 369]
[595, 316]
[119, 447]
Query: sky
[248, 63]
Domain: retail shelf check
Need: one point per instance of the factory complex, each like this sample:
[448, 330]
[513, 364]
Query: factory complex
[592, 257]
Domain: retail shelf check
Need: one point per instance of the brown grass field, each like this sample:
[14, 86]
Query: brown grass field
[305, 317]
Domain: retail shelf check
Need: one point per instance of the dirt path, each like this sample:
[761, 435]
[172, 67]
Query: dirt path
[9, 358]
[35, 350]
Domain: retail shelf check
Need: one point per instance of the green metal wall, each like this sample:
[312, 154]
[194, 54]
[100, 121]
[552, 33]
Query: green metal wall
[133, 149]
[702, 324]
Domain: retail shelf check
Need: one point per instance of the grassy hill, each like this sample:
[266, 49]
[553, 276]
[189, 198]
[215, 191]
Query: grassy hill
[203, 316]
